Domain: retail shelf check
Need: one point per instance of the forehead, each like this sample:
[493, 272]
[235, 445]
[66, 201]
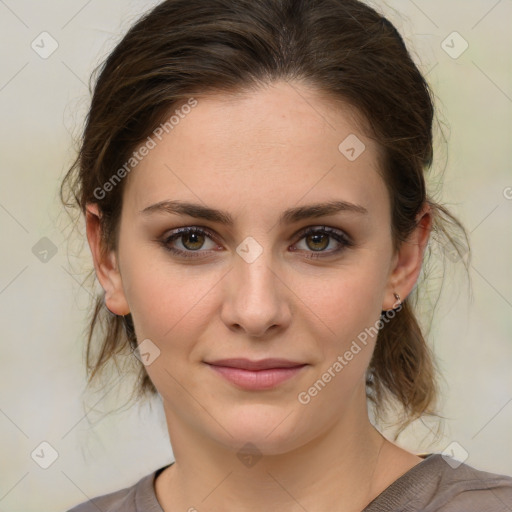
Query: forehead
[275, 145]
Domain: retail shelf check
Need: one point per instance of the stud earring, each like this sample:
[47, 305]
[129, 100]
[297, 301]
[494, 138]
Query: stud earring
[396, 305]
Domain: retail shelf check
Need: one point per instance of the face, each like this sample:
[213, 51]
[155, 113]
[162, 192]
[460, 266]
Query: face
[280, 280]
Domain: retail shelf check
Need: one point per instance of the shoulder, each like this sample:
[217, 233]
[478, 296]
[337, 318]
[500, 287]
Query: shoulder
[442, 484]
[123, 499]
[461, 487]
[136, 498]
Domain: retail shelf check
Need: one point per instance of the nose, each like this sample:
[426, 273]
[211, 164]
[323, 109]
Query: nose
[256, 298]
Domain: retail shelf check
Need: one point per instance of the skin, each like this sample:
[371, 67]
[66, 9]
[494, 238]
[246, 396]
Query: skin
[255, 155]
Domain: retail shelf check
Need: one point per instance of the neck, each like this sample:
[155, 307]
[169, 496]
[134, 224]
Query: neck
[341, 470]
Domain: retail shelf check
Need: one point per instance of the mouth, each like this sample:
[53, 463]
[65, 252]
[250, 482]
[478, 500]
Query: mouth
[257, 375]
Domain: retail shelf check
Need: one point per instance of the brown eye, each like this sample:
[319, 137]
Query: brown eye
[191, 239]
[317, 240]
[194, 240]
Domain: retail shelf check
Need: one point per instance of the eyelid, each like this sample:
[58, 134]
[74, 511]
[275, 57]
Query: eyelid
[201, 230]
[300, 233]
[174, 233]
[339, 235]
[325, 229]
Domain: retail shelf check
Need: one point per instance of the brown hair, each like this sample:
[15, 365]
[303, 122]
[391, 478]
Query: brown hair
[342, 48]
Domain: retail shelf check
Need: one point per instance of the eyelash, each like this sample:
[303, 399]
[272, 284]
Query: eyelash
[339, 236]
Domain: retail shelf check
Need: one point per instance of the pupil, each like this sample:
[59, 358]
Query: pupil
[194, 237]
[316, 239]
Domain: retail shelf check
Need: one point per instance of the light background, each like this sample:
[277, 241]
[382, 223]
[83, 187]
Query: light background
[43, 307]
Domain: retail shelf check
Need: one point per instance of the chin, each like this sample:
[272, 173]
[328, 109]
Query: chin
[264, 429]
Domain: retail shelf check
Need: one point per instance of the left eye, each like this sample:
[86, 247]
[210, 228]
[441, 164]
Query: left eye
[317, 240]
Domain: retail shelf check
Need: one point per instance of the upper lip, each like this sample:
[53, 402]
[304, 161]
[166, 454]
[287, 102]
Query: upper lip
[262, 364]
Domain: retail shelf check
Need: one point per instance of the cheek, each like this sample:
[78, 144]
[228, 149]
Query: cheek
[167, 301]
[170, 306]
[350, 305]
[349, 298]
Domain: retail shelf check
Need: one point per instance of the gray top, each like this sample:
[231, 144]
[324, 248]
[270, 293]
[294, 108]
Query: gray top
[433, 485]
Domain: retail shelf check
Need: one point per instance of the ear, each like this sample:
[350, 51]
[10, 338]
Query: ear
[105, 263]
[407, 262]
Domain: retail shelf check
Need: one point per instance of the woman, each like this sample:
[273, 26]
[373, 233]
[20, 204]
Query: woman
[252, 176]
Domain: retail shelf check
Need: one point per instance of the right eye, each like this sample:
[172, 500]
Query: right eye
[191, 239]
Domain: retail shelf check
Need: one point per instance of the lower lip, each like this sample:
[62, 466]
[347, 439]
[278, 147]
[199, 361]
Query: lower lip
[257, 379]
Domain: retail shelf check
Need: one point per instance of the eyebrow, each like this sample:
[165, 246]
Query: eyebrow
[291, 215]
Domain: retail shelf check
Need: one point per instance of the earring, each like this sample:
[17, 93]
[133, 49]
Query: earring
[396, 306]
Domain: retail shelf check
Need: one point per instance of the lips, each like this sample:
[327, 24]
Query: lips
[263, 364]
[256, 375]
